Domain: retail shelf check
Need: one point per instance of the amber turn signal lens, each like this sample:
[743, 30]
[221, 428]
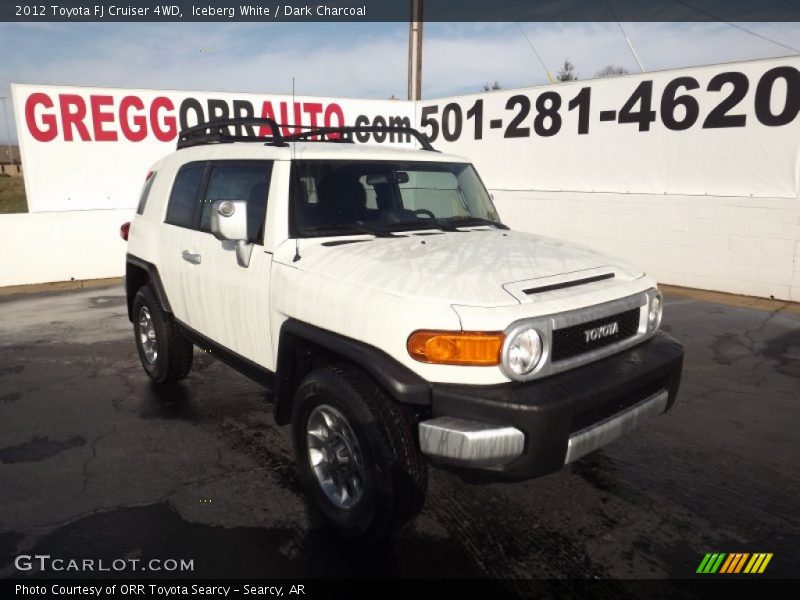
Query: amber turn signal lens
[473, 348]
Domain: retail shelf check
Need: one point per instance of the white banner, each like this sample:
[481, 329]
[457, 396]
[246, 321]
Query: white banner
[723, 130]
[89, 148]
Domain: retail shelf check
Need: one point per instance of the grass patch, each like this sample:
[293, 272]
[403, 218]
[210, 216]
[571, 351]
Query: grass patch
[12, 195]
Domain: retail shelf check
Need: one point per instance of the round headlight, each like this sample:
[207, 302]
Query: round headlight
[524, 351]
[656, 309]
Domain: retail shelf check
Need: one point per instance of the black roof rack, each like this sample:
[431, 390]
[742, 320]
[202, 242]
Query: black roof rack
[216, 132]
[320, 131]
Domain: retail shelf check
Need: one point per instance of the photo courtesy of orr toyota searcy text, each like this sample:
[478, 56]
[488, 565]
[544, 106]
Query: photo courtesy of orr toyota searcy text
[155, 590]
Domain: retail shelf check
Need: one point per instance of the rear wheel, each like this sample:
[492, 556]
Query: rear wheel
[165, 354]
[356, 454]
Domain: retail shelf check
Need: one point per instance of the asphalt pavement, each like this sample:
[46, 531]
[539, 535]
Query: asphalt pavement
[97, 462]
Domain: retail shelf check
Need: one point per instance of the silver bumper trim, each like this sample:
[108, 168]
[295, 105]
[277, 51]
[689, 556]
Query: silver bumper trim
[470, 443]
[597, 436]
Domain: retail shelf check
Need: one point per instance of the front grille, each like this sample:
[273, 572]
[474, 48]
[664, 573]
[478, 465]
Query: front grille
[572, 341]
[606, 410]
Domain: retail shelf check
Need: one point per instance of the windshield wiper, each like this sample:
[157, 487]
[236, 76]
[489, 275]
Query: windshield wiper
[467, 221]
[426, 223]
[354, 227]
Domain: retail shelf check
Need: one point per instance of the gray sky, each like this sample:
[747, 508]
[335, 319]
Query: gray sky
[366, 60]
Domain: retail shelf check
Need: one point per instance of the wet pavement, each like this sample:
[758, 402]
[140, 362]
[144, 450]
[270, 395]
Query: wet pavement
[96, 462]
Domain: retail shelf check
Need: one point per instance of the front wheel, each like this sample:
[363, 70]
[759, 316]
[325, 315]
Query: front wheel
[356, 455]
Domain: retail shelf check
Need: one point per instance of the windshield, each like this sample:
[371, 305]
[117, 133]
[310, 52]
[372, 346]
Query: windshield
[377, 197]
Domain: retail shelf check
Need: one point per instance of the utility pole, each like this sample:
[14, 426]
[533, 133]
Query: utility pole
[415, 51]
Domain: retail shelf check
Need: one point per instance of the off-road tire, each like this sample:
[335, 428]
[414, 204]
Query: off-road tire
[174, 358]
[396, 472]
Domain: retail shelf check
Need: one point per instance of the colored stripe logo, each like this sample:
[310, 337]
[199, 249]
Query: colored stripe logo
[734, 562]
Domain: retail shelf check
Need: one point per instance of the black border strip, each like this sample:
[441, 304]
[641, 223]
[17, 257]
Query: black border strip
[541, 11]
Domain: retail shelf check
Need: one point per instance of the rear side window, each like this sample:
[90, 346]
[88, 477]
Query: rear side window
[183, 199]
[239, 181]
[148, 184]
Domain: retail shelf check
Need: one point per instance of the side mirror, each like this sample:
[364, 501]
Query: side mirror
[229, 220]
[229, 223]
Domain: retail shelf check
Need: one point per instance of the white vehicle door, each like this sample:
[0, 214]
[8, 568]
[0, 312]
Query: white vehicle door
[229, 302]
[178, 256]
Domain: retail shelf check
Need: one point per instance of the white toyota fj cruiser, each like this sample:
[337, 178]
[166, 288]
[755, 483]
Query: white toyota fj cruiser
[392, 315]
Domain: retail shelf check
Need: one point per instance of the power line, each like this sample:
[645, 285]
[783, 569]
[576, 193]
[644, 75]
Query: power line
[535, 51]
[781, 31]
[770, 25]
[739, 27]
[625, 35]
[527, 39]
[630, 45]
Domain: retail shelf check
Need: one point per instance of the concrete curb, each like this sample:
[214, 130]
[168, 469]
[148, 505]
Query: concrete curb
[57, 286]
[727, 299]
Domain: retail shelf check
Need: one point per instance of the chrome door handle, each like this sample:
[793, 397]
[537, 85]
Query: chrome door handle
[192, 258]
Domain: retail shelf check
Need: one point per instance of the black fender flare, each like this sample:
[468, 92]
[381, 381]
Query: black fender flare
[133, 263]
[297, 342]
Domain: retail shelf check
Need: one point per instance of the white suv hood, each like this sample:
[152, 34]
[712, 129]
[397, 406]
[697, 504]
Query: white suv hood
[467, 268]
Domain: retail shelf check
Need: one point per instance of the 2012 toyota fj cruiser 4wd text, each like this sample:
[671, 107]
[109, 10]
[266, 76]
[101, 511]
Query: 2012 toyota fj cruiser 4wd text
[392, 315]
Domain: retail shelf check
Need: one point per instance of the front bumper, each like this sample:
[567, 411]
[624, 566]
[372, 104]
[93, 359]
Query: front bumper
[525, 430]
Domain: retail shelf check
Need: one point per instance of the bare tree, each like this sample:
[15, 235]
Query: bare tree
[567, 72]
[491, 88]
[611, 71]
